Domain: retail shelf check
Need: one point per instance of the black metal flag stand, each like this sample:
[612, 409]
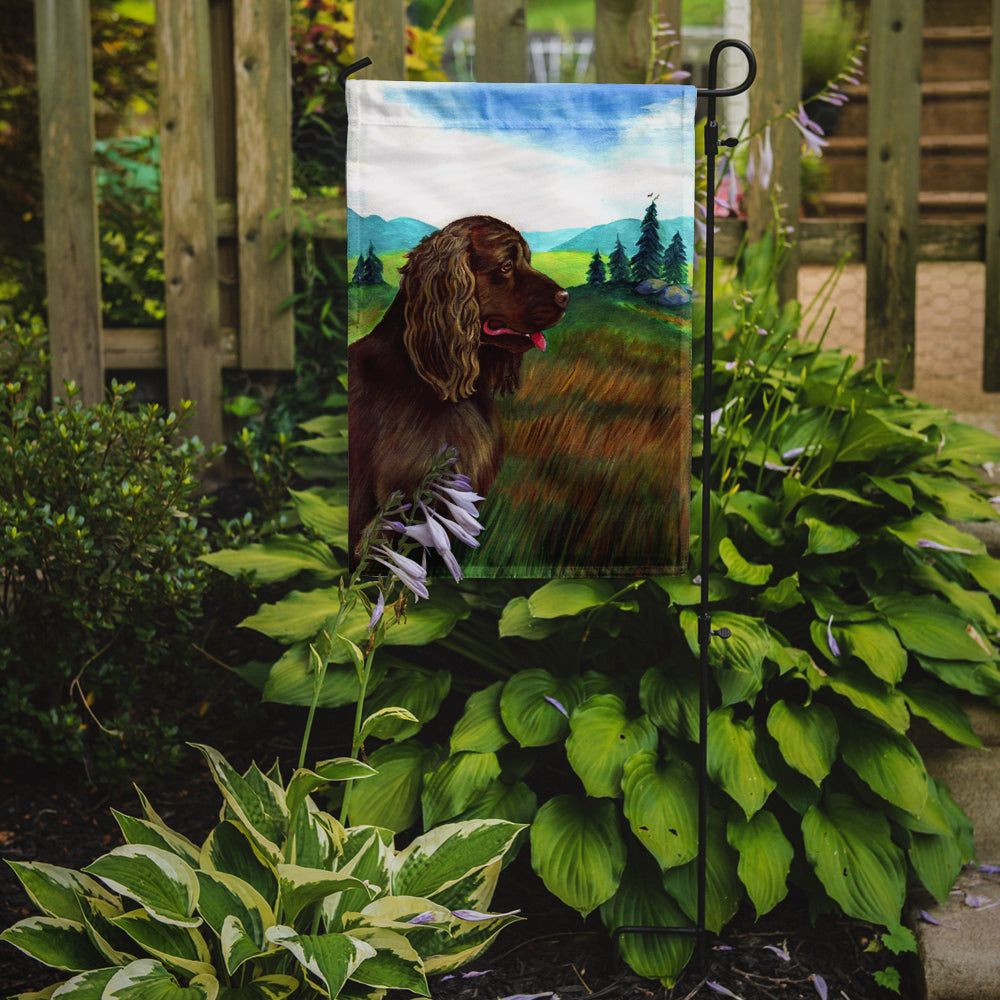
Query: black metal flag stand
[705, 631]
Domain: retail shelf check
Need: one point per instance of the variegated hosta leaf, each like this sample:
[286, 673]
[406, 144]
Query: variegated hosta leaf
[578, 851]
[367, 853]
[328, 959]
[256, 801]
[850, 847]
[300, 887]
[141, 831]
[441, 857]
[98, 915]
[602, 737]
[456, 784]
[225, 897]
[765, 858]
[304, 782]
[481, 727]
[395, 964]
[158, 880]
[466, 941]
[888, 763]
[230, 849]
[147, 979]
[315, 838]
[177, 947]
[732, 760]
[54, 941]
[86, 986]
[807, 736]
[274, 987]
[661, 799]
[418, 691]
[56, 891]
[642, 902]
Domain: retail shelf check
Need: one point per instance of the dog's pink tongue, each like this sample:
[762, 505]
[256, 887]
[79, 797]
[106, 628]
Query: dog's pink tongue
[538, 339]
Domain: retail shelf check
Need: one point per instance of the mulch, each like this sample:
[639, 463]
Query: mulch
[551, 953]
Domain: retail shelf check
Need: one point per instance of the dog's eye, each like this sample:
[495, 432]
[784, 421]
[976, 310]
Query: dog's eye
[506, 267]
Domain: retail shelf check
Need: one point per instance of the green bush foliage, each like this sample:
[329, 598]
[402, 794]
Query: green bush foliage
[279, 900]
[101, 584]
[854, 602]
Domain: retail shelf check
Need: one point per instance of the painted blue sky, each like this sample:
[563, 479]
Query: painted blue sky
[540, 157]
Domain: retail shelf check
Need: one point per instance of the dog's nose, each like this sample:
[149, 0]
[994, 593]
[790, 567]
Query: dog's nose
[562, 297]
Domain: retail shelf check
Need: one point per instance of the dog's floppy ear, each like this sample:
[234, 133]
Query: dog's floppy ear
[442, 314]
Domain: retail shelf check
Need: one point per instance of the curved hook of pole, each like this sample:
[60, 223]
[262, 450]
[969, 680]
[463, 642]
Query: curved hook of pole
[713, 69]
[353, 68]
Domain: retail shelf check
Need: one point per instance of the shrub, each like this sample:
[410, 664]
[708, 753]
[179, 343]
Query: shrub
[99, 546]
[280, 899]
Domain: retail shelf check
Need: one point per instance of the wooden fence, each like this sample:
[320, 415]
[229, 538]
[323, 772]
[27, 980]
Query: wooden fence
[226, 160]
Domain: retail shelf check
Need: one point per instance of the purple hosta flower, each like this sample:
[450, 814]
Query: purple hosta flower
[411, 573]
[719, 988]
[782, 953]
[811, 132]
[427, 917]
[475, 915]
[820, 983]
[377, 612]
[558, 705]
[831, 642]
[760, 166]
[927, 543]
[727, 197]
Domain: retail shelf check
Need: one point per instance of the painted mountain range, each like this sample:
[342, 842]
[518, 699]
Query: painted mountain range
[405, 233]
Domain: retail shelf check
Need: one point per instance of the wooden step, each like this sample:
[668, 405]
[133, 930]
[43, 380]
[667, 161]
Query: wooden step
[958, 206]
[956, 53]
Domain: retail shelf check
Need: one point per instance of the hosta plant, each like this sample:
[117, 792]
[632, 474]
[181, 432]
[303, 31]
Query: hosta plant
[279, 900]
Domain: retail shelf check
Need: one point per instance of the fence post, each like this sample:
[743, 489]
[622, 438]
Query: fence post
[190, 251]
[380, 34]
[893, 183]
[501, 41]
[623, 37]
[72, 255]
[776, 34]
[262, 61]
[991, 333]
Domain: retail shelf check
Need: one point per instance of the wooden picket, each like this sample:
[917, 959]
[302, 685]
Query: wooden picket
[226, 160]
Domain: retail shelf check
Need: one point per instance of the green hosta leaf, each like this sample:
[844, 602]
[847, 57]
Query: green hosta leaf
[159, 881]
[230, 849]
[828, 539]
[807, 736]
[876, 646]
[578, 851]
[928, 528]
[850, 847]
[260, 805]
[279, 558]
[723, 889]
[391, 798]
[558, 598]
[297, 616]
[327, 520]
[937, 859]
[941, 709]
[304, 782]
[685, 592]
[387, 723]
[292, 680]
[301, 887]
[975, 605]
[893, 488]
[931, 628]
[54, 941]
[456, 784]
[783, 595]
[226, 898]
[976, 678]
[147, 979]
[671, 699]
[765, 858]
[516, 803]
[56, 891]
[330, 959]
[965, 443]
[732, 760]
[438, 859]
[986, 572]
[888, 763]
[738, 661]
[517, 620]
[758, 511]
[870, 436]
[956, 500]
[739, 569]
[641, 901]
[180, 948]
[395, 964]
[530, 706]
[142, 831]
[864, 691]
[602, 738]
[661, 798]
[418, 691]
[481, 728]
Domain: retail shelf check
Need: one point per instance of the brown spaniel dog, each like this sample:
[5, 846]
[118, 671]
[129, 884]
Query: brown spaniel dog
[469, 305]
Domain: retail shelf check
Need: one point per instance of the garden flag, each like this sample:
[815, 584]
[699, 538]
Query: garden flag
[520, 262]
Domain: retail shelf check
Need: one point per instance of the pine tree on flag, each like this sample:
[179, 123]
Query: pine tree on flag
[675, 266]
[596, 273]
[648, 262]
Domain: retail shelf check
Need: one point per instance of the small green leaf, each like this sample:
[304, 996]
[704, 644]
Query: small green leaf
[732, 760]
[535, 706]
[671, 699]
[807, 736]
[559, 598]
[828, 539]
[888, 763]
[279, 558]
[481, 727]
[391, 798]
[765, 858]
[456, 784]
